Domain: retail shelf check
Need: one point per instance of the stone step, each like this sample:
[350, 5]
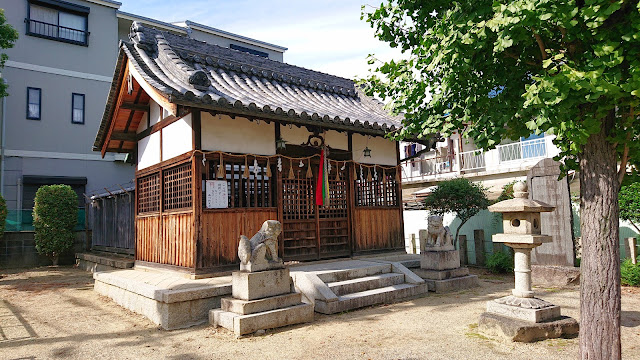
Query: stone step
[332, 276]
[246, 307]
[247, 324]
[361, 299]
[365, 283]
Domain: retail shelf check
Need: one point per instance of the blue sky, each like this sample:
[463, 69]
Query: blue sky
[326, 35]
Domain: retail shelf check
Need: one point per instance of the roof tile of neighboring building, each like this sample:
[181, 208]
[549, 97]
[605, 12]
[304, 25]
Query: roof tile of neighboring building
[193, 73]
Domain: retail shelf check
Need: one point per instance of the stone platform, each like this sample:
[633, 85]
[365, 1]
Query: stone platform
[98, 261]
[261, 300]
[441, 270]
[337, 286]
[525, 331]
[169, 300]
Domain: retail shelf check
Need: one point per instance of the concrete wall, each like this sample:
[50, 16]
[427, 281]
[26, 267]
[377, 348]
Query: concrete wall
[17, 249]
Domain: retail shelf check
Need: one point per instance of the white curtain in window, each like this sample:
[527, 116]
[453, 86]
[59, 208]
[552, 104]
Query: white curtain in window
[45, 21]
[76, 24]
[78, 109]
[34, 103]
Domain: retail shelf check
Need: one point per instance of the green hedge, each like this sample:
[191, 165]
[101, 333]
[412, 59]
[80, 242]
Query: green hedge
[499, 263]
[54, 217]
[630, 273]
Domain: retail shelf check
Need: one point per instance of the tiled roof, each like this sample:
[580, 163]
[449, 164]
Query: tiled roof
[193, 73]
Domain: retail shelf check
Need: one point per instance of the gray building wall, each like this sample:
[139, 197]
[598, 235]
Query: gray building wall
[53, 145]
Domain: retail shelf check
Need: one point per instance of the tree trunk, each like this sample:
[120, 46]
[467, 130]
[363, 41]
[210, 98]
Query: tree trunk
[54, 259]
[600, 264]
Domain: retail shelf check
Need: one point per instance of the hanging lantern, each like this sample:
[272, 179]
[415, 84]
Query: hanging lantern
[366, 152]
[281, 144]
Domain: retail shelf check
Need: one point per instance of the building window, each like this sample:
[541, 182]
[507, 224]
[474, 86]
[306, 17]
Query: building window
[58, 20]
[34, 98]
[250, 51]
[77, 108]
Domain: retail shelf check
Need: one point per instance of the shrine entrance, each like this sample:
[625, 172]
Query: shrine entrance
[312, 232]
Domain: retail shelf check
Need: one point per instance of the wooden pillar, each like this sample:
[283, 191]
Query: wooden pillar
[279, 195]
[478, 238]
[399, 192]
[351, 203]
[196, 197]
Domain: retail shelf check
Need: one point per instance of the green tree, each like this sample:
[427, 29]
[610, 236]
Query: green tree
[501, 69]
[54, 217]
[8, 35]
[460, 197]
[629, 201]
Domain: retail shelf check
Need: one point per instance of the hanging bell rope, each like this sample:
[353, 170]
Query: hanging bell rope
[268, 172]
[309, 172]
[245, 174]
[221, 169]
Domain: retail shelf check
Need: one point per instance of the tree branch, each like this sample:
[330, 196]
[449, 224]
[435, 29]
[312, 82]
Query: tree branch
[543, 49]
[514, 56]
[623, 160]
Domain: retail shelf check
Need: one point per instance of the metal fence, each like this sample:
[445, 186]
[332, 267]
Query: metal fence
[529, 149]
[472, 160]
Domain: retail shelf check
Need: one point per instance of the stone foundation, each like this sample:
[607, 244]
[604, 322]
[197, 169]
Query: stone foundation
[440, 260]
[548, 275]
[524, 331]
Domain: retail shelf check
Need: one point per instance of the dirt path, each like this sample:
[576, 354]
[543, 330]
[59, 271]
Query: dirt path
[50, 313]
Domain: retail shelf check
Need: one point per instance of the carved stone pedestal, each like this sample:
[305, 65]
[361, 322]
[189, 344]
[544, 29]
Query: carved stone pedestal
[261, 300]
[441, 271]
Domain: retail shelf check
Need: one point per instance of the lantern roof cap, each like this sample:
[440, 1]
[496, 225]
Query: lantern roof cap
[521, 202]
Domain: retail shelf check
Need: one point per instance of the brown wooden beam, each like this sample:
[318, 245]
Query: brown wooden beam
[116, 150]
[135, 107]
[124, 136]
[161, 124]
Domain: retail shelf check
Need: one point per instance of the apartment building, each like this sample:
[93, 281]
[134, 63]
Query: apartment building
[59, 74]
[452, 157]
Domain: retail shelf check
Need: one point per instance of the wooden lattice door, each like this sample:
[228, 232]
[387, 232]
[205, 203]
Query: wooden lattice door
[311, 232]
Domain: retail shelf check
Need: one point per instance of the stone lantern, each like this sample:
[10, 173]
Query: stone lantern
[521, 316]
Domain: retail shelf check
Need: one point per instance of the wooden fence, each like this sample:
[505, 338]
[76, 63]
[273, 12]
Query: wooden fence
[111, 220]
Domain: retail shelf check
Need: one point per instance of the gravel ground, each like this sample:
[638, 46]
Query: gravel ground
[49, 313]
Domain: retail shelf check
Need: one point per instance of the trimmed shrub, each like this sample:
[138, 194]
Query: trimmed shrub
[630, 273]
[54, 217]
[499, 263]
[3, 215]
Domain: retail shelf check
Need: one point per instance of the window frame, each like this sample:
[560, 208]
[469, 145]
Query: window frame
[73, 97]
[59, 6]
[39, 117]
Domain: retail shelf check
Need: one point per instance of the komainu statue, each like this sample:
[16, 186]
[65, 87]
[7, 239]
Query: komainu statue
[437, 236]
[261, 252]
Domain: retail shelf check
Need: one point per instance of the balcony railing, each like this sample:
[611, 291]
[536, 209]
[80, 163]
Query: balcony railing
[418, 169]
[472, 160]
[57, 32]
[528, 149]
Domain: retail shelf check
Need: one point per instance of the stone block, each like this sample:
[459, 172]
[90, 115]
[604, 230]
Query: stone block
[442, 274]
[247, 324]
[262, 284]
[478, 240]
[549, 275]
[517, 312]
[454, 284]
[525, 331]
[462, 240]
[245, 307]
[440, 260]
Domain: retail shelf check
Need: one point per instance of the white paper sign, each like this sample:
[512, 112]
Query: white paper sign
[217, 194]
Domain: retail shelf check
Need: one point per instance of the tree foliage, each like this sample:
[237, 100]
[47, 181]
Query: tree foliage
[3, 215]
[506, 69]
[460, 197]
[54, 217]
[8, 35]
[629, 202]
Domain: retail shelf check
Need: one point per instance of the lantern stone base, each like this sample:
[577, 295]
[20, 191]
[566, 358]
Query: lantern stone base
[523, 313]
[525, 331]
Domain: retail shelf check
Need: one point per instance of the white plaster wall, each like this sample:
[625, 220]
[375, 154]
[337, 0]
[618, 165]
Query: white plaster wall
[237, 135]
[299, 135]
[177, 138]
[143, 123]
[383, 151]
[149, 151]
[155, 112]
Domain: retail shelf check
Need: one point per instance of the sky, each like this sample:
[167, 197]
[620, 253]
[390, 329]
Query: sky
[326, 36]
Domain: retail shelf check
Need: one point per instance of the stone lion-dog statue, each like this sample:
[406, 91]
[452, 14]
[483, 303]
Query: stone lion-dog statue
[261, 251]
